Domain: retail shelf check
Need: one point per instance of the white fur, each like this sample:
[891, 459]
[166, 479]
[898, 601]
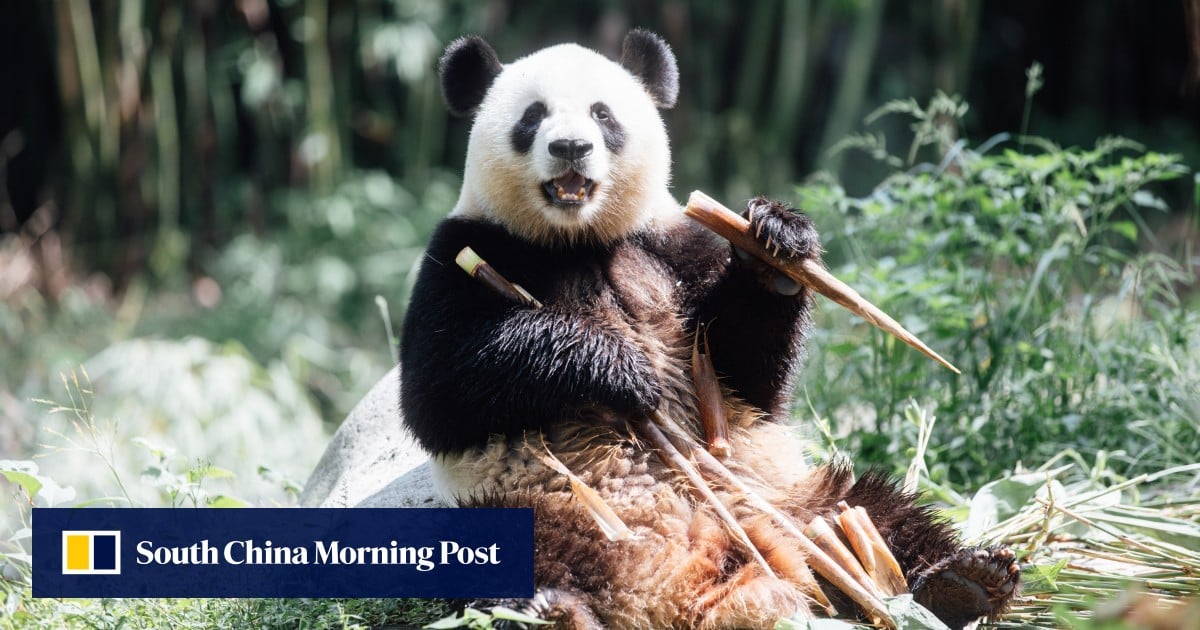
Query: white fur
[450, 482]
[502, 185]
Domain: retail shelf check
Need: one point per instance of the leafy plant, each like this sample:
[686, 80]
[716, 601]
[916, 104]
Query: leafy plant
[1025, 269]
[481, 620]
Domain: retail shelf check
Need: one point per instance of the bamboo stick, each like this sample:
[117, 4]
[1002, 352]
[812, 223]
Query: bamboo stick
[716, 469]
[674, 458]
[716, 217]
[819, 531]
[479, 269]
[872, 550]
[820, 561]
[610, 523]
[709, 400]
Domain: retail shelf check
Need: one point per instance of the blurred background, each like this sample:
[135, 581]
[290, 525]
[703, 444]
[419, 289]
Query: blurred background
[210, 210]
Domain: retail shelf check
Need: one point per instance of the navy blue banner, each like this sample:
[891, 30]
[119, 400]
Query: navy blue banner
[282, 552]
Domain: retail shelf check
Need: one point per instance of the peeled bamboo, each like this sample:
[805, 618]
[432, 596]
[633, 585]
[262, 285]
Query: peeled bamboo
[871, 550]
[820, 561]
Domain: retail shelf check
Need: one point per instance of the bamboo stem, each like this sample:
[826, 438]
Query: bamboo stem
[823, 536]
[820, 561]
[716, 469]
[674, 458]
[872, 550]
[610, 523]
[716, 217]
[709, 401]
[479, 269]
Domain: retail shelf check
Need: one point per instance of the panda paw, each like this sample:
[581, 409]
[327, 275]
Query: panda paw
[972, 583]
[785, 233]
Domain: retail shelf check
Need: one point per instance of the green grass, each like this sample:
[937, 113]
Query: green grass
[347, 614]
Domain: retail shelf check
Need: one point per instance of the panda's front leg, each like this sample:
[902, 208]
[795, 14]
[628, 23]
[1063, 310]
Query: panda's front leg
[759, 316]
[552, 362]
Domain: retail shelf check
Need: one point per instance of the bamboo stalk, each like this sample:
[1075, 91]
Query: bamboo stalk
[872, 550]
[858, 540]
[716, 217]
[819, 531]
[674, 458]
[709, 401]
[610, 523]
[818, 559]
[479, 269]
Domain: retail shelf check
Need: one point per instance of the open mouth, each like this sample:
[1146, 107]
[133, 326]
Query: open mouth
[570, 188]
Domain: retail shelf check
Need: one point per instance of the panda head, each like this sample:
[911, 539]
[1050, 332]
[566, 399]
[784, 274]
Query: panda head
[567, 146]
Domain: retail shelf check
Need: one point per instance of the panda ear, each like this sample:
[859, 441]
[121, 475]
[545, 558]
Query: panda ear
[648, 57]
[467, 70]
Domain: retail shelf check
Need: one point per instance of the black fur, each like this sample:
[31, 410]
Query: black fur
[610, 128]
[467, 70]
[469, 354]
[648, 57]
[524, 132]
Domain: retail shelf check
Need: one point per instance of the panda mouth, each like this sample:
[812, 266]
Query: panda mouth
[570, 188]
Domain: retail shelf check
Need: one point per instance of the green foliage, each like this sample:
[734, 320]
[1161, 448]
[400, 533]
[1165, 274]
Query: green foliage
[1024, 269]
[247, 429]
[167, 479]
[112, 614]
[908, 615]
[303, 302]
[480, 620]
[308, 294]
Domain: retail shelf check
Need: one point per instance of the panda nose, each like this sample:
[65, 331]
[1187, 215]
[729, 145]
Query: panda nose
[570, 149]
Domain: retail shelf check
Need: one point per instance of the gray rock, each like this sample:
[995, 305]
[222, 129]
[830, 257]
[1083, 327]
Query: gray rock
[372, 461]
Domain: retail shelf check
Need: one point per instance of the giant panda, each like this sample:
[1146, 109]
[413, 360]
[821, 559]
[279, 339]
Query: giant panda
[565, 192]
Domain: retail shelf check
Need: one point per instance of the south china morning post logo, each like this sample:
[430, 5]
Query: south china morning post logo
[283, 552]
[91, 552]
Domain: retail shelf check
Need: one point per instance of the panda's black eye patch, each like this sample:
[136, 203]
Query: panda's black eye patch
[610, 129]
[526, 129]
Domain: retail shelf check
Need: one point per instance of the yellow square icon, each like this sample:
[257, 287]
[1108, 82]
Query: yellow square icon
[79, 552]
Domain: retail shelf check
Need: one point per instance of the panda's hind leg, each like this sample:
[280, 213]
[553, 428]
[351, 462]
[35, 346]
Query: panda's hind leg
[972, 583]
[957, 584]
